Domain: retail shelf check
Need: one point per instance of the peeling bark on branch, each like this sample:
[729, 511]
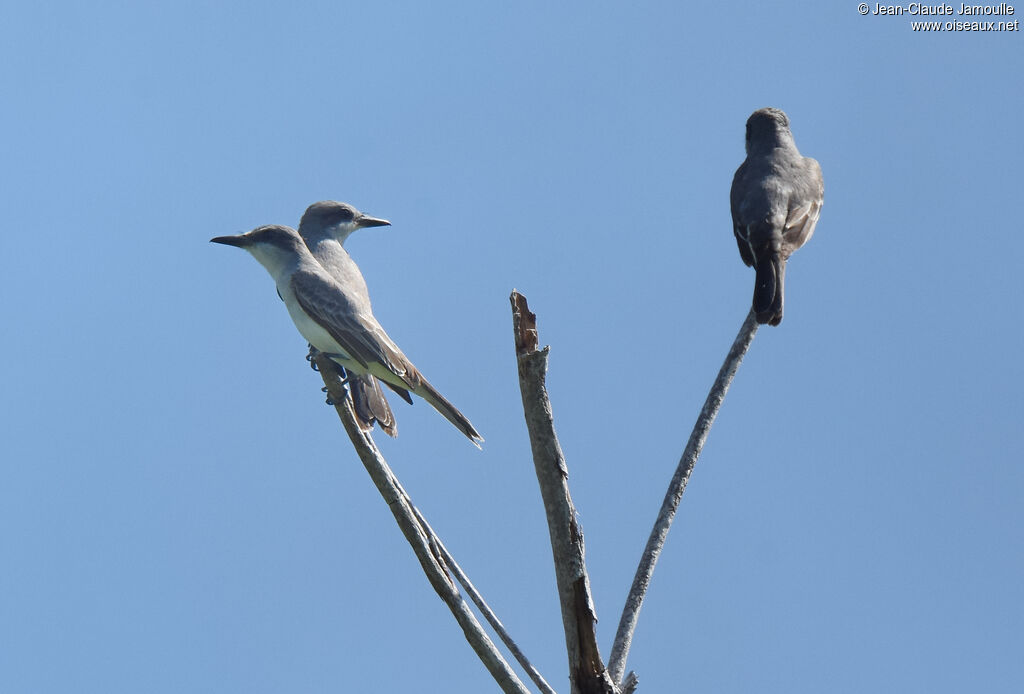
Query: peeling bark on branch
[587, 672]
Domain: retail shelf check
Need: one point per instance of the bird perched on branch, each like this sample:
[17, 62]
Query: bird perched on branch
[776, 199]
[334, 315]
[324, 227]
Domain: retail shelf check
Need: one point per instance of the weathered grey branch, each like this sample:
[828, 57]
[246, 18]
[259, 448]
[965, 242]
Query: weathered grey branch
[433, 565]
[482, 605]
[587, 672]
[631, 612]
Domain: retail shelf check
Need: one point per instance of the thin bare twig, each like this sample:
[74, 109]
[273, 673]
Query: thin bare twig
[631, 612]
[482, 605]
[402, 510]
[587, 672]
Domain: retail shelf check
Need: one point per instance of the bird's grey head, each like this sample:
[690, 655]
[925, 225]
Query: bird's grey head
[274, 246]
[336, 220]
[767, 128]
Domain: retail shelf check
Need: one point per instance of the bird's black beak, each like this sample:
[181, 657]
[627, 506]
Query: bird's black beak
[238, 241]
[367, 221]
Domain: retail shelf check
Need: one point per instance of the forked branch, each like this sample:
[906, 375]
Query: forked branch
[402, 509]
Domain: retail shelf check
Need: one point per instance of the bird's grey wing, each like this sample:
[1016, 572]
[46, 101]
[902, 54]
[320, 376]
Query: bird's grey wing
[804, 209]
[357, 332]
[800, 223]
[736, 193]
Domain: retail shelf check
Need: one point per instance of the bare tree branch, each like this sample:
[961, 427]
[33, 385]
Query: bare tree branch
[482, 605]
[433, 565]
[587, 672]
[631, 612]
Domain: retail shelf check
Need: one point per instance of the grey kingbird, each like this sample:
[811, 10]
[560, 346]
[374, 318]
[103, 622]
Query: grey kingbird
[324, 227]
[776, 199]
[335, 322]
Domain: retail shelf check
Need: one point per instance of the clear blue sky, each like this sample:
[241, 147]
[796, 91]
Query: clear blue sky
[179, 510]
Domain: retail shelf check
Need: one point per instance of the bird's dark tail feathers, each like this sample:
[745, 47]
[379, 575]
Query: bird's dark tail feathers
[449, 411]
[769, 288]
[370, 405]
[402, 392]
